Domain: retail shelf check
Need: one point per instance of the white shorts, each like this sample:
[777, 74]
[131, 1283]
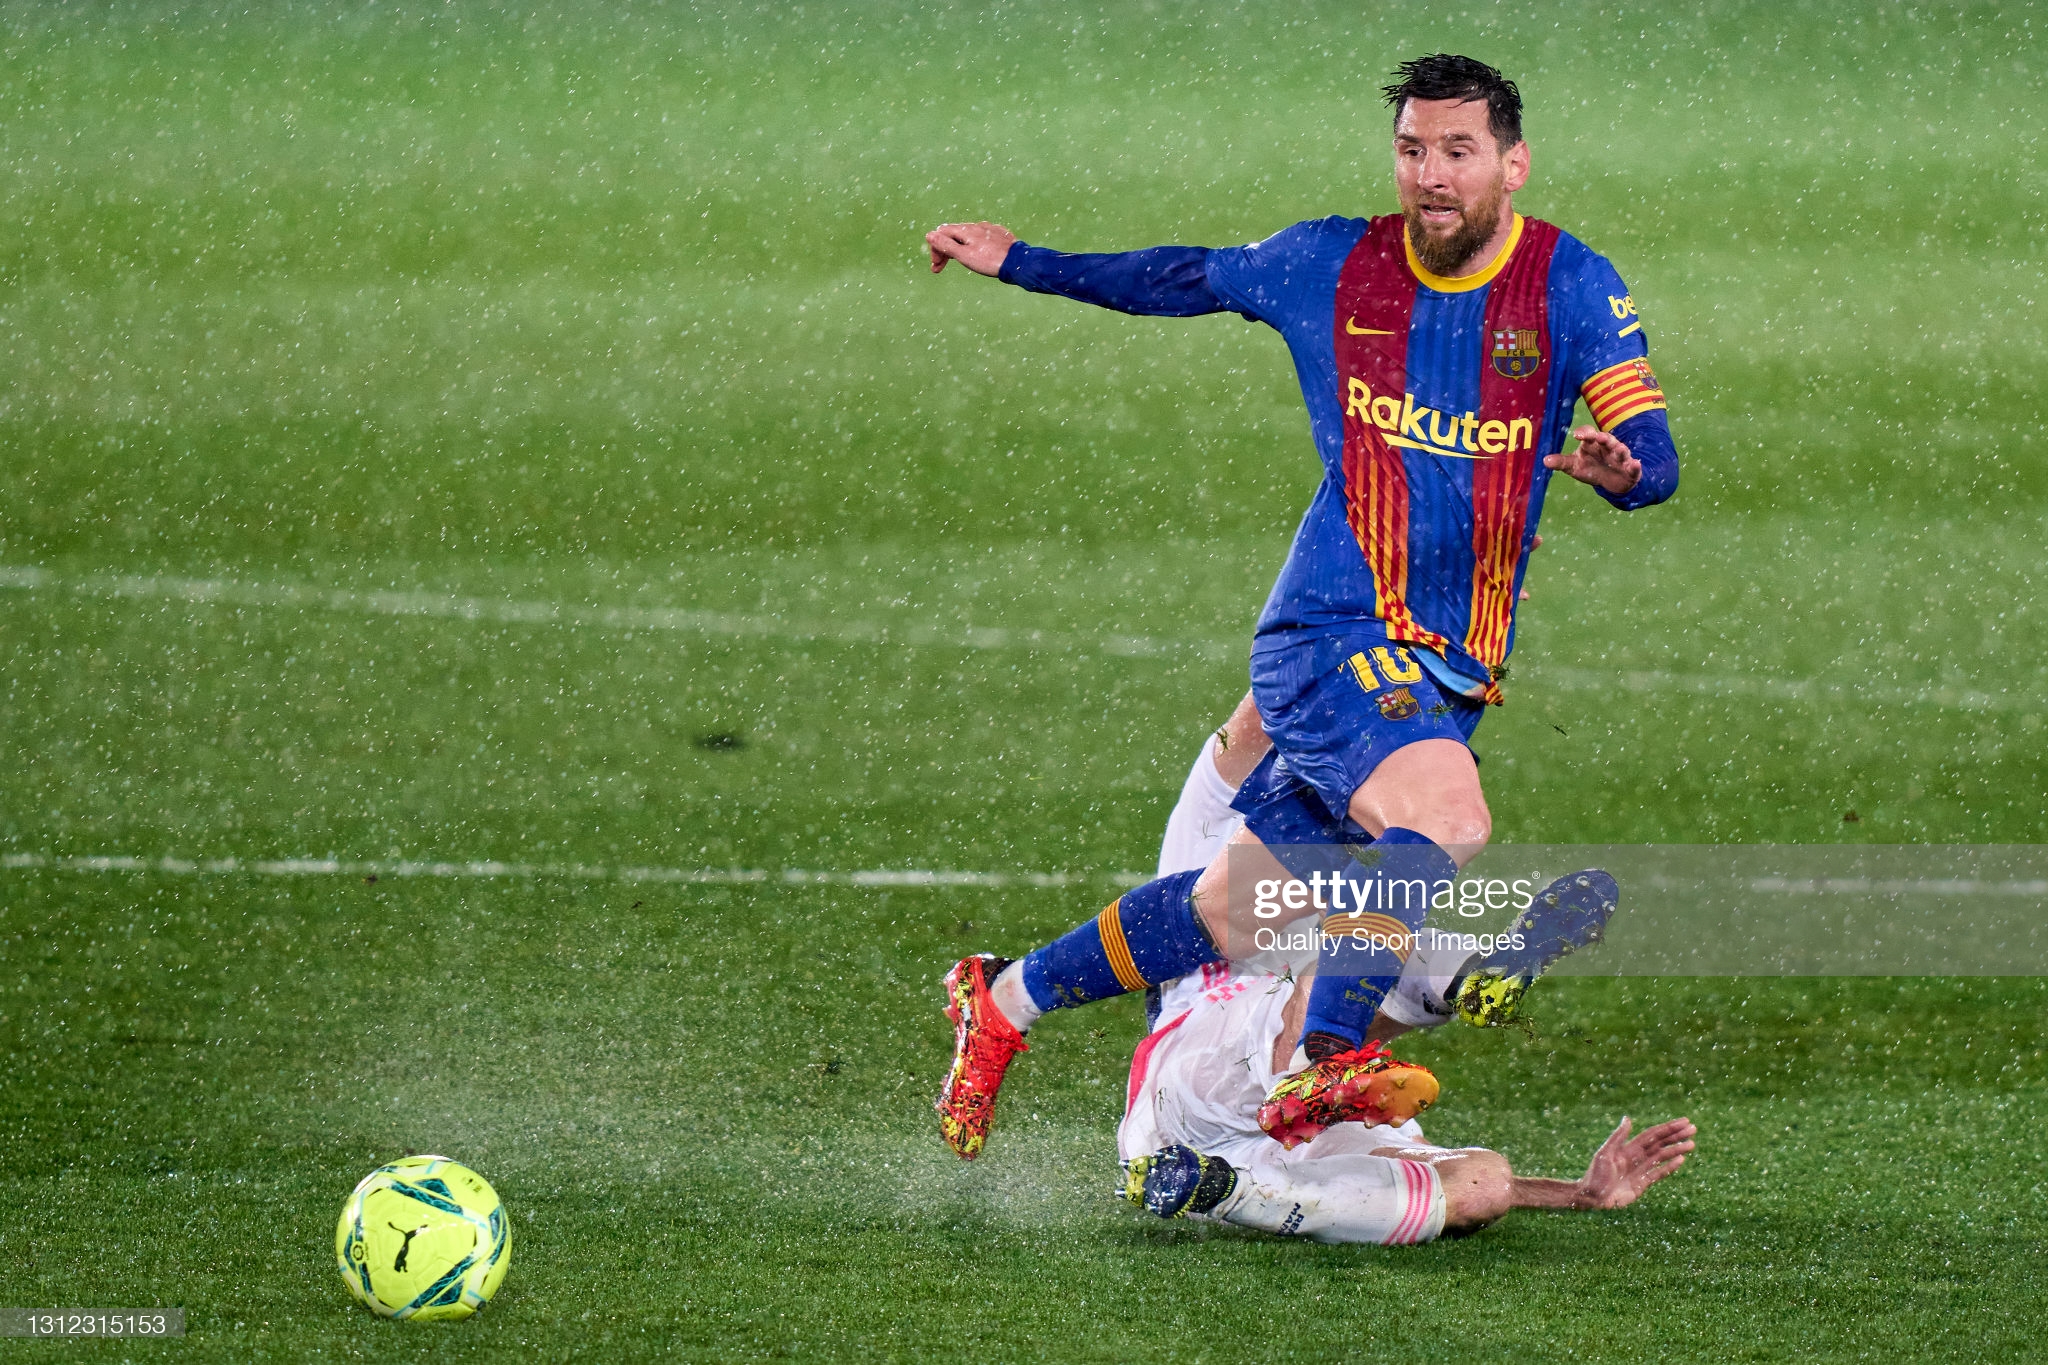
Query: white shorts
[1199, 1079]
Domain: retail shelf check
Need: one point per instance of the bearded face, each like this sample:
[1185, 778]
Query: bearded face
[1446, 244]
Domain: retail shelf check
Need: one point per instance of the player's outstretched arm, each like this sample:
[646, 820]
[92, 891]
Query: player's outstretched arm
[1160, 281]
[980, 247]
[1621, 1170]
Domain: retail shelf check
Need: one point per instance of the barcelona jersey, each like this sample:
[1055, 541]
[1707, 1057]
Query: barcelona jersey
[1432, 402]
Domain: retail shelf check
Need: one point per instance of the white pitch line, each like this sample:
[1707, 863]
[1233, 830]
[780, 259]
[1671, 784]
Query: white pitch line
[1782, 689]
[505, 611]
[1868, 886]
[508, 611]
[695, 876]
[905, 877]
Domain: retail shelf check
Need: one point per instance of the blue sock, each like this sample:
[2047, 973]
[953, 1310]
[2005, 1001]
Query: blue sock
[1353, 977]
[1150, 935]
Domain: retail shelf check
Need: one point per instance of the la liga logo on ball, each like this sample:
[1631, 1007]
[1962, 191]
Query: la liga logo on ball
[424, 1239]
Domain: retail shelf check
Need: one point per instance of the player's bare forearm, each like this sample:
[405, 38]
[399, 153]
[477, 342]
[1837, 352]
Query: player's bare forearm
[980, 247]
[1601, 459]
[1535, 1192]
[1620, 1172]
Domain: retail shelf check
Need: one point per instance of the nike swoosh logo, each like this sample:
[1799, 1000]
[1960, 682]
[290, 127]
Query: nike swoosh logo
[1351, 326]
[1406, 444]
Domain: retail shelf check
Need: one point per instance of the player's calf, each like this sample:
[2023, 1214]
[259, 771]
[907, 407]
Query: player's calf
[1478, 1189]
[1379, 900]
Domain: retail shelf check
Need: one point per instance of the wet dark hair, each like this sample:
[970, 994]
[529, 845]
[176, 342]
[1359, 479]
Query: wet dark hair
[1442, 76]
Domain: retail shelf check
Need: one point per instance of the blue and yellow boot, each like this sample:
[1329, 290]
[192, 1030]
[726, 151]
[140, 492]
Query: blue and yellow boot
[1177, 1180]
[1566, 915]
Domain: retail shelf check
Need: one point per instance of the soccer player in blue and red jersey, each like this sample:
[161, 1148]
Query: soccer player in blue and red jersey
[1440, 352]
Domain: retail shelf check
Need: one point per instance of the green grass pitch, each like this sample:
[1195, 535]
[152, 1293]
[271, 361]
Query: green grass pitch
[318, 318]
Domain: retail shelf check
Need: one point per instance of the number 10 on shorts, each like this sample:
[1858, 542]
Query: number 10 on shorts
[1396, 665]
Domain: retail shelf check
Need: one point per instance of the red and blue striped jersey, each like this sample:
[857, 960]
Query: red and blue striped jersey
[1432, 402]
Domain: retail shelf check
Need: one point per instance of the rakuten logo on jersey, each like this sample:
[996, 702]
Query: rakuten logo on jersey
[1463, 437]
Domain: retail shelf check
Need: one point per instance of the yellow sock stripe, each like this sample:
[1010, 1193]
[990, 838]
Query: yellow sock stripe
[1396, 933]
[1110, 925]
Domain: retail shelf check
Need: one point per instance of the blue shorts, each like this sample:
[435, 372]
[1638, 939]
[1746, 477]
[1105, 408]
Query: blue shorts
[1335, 705]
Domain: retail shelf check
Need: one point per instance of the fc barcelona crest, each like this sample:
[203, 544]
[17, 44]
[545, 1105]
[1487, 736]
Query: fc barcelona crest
[1515, 352]
[1398, 704]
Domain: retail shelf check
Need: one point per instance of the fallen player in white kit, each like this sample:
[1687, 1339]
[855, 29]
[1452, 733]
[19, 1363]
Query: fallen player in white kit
[1192, 1145]
[1191, 1142]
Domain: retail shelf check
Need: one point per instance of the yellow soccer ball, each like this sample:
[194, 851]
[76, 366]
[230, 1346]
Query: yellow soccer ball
[424, 1238]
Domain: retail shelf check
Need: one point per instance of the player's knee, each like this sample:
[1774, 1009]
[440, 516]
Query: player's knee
[1245, 729]
[1458, 823]
[1478, 1187]
[1477, 834]
[1241, 743]
[1467, 825]
[1432, 788]
[1216, 899]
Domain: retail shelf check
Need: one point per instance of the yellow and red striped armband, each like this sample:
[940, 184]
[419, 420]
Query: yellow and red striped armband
[1621, 391]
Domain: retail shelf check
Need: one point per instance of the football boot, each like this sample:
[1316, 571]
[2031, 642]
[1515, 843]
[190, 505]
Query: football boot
[1366, 1084]
[1566, 915]
[1177, 1180]
[984, 1041]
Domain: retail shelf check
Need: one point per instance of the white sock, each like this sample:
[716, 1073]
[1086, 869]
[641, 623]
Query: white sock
[1330, 1191]
[1202, 820]
[1421, 998]
[1007, 990]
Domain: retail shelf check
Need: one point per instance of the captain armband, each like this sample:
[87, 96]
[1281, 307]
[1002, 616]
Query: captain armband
[1622, 391]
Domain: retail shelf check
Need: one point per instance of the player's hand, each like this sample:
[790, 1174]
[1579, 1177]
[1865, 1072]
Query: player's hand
[1601, 458]
[1626, 1166]
[978, 246]
[1532, 549]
